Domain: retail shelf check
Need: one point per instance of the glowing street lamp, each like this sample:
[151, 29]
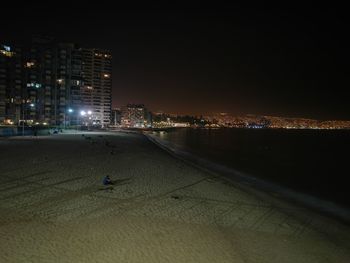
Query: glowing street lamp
[24, 106]
[70, 110]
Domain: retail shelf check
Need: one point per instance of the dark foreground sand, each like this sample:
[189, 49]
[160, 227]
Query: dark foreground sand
[53, 208]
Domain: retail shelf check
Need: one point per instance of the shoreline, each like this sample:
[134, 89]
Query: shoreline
[160, 209]
[255, 185]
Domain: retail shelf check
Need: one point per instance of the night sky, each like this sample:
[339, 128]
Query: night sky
[274, 60]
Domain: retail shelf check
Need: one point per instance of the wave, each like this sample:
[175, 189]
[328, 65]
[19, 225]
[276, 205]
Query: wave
[253, 183]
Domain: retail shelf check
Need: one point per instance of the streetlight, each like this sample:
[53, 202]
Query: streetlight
[86, 114]
[70, 110]
[90, 119]
[24, 103]
[82, 114]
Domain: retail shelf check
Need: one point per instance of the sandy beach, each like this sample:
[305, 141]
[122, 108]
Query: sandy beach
[54, 208]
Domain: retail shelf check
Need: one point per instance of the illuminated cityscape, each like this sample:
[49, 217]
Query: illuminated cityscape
[158, 132]
[247, 121]
[50, 83]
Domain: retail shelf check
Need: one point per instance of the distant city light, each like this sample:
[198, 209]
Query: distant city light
[32, 105]
[89, 112]
[70, 110]
[82, 113]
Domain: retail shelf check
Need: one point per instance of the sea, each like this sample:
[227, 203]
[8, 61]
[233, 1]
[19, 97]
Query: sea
[314, 163]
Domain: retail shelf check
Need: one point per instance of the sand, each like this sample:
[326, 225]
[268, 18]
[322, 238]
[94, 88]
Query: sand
[53, 208]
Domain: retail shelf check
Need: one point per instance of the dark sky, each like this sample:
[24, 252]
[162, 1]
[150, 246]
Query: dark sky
[275, 60]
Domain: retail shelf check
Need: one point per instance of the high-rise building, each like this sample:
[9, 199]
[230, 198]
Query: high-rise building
[52, 83]
[135, 116]
[53, 78]
[39, 62]
[10, 84]
[96, 92]
[69, 82]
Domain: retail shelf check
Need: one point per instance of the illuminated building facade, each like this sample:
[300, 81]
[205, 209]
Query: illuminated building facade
[97, 88]
[10, 84]
[135, 116]
[39, 82]
[51, 83]
[53, 80]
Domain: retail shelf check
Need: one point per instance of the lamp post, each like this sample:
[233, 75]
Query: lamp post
[70, 110]
[89, 119]
[23, 101]
[87, 115]
[82, 114]
[24, 104]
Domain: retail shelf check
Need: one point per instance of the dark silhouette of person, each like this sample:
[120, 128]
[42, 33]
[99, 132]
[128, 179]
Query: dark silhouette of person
[107, 180]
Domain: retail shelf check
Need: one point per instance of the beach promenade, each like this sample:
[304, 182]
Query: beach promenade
[54, 208]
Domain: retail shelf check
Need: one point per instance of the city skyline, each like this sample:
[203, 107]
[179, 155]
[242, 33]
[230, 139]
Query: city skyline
[283, 61]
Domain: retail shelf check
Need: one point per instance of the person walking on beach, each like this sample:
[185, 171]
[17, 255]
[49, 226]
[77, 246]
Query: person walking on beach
[107, 180]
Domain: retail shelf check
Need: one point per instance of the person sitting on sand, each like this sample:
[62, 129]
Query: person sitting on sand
[107, 180]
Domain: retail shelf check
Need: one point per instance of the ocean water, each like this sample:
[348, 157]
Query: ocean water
[312, 162]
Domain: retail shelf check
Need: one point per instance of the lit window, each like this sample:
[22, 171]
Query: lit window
[29, 64]
[8, 121]
[33, 85]
[76, 82]
[106, 75]
[6, 52]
